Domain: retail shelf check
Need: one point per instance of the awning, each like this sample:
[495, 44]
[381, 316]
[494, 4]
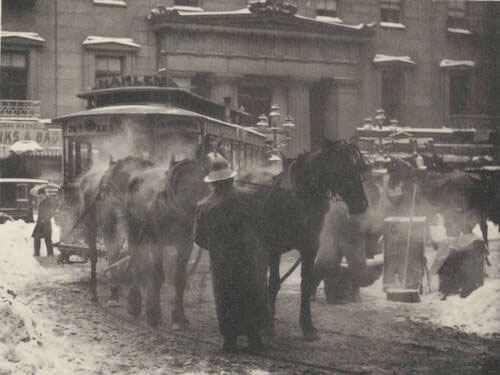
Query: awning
[402, 61]
[21, 37]
[446, 63]
[107, 43]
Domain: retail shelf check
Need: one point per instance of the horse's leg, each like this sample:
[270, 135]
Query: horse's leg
[134, 300]
[93, 272]
[155, 279]
[179, 319]
[114, 238]
[306, 288]
[483, 225]
[91, 239]
[274, 283]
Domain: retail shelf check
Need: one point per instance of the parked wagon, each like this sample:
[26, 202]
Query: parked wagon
[16, 200]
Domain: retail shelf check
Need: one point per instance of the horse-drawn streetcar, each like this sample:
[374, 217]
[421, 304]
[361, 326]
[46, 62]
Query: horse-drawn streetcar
[150, 119]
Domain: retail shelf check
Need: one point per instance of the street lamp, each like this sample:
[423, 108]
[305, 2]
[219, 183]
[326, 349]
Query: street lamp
[272, 128]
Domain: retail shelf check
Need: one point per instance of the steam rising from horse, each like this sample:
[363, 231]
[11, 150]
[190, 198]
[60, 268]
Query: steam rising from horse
[464, 198]
[160, 213]
[292, 211]
[104, 206]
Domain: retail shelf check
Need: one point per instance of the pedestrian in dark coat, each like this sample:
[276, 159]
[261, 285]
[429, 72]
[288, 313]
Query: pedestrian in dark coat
[43, 227]
[225, 227]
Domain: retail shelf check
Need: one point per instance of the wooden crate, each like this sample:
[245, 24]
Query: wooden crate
[396, 274]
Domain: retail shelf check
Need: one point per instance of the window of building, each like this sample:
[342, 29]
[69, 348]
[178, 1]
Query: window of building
[459, 92]
[390, 11]
[108, 66]
[456, 14]
[14, 76]
[187, 3]
[392, 93]
[327, 8]
[254, 100]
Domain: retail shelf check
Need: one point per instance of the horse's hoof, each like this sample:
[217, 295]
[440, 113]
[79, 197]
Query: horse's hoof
[178, 326]
[153, 318]
[268, 331]
[113, 303]
[311, 336]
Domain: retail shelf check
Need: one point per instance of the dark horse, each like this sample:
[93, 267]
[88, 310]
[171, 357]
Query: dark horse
[291, 212]
[161, 208]
[104, 206]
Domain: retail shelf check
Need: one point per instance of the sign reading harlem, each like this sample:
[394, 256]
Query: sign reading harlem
[13, 131]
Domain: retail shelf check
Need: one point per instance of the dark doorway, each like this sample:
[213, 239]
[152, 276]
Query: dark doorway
[318, 107]
[256, 100]
[392, 93]
[459, 91]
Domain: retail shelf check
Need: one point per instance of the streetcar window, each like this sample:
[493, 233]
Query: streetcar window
[21, 192]
[243, 157]
[86, 156]
[236, 155]
[72, 159]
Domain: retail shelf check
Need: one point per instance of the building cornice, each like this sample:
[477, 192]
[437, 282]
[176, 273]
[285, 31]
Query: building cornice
[272, 17]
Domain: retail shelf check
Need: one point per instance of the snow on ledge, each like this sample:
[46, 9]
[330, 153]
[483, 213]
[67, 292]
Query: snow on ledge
[329, 19]
[392, 25]
[93, 40]
[379, 58]
[116, 3]
[446, 63]
[185, 8]
[213, 13]
[459, 31]
[22, 35]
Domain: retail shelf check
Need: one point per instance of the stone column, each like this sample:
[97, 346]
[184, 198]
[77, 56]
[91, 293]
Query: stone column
[349, 115]
[298, 104]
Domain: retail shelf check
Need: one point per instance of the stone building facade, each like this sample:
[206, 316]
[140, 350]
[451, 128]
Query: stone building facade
[327, 63]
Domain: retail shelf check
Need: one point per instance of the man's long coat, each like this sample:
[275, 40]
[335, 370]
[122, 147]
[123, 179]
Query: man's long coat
[43, 227]
[225, 226]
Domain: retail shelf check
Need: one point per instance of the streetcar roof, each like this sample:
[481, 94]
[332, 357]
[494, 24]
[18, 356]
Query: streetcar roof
[23, 181]
[147, 109]
[176, 91]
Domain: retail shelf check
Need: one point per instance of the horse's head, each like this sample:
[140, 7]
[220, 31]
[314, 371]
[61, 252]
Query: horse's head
[339, 168]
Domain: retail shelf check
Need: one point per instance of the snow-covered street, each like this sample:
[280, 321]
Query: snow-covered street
[50, 326]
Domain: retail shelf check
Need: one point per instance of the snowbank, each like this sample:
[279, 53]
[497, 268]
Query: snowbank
[17, 264]
[478, 313]
[22, 349]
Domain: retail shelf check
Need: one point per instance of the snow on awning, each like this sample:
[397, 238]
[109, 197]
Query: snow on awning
[397, 60]
[21, 37]
[101, 42]
[446, 63]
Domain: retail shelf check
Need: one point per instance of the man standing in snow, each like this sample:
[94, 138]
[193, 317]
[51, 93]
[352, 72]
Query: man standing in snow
[224, 226]
[43, 227]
